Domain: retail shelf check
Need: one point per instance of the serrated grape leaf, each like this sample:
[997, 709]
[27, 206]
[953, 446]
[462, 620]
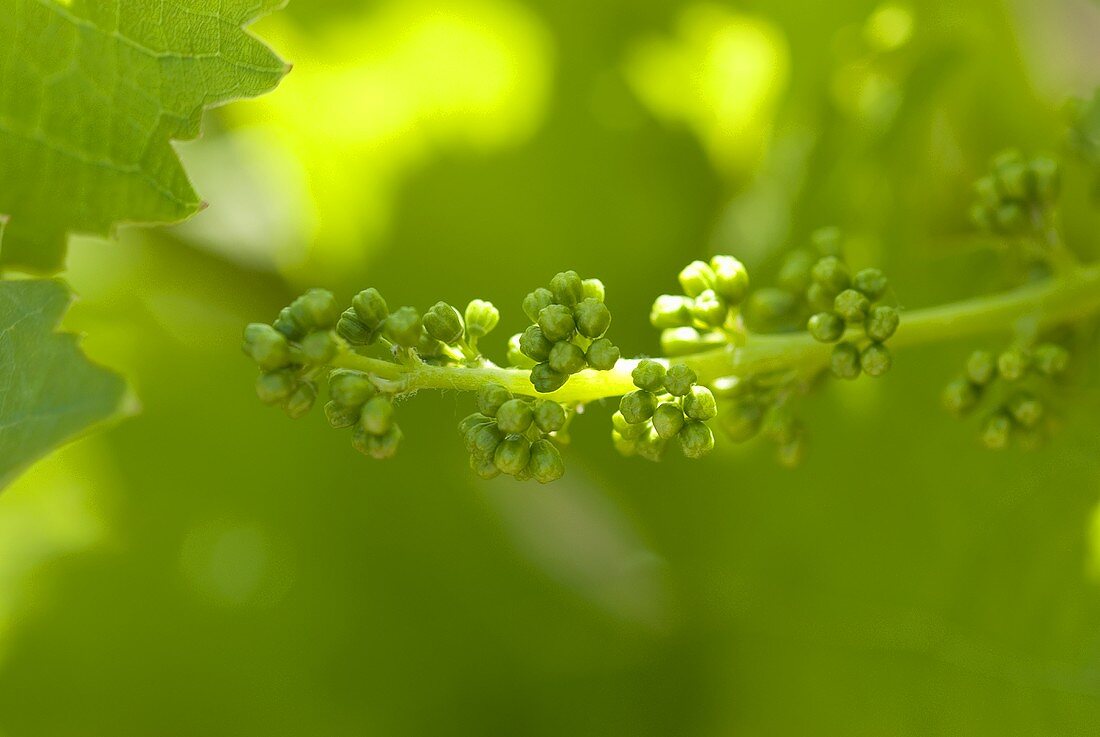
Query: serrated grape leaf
[49, 391]
[92, 92]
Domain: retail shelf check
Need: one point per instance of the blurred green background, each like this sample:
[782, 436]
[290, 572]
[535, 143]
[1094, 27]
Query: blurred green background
[211, 568]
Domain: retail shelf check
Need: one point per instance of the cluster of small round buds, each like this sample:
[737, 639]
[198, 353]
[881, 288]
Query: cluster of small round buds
[362, 323]
[708, 311]
[1016, 189]
[354, 402]
[570, 321]
[1019, 370]
[667, 405]
[514, 436]
[300, 340]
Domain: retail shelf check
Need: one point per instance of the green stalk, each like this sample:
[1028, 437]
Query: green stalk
[1054, 301]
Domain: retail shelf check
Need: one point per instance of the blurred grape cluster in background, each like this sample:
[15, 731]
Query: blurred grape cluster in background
[210, 568]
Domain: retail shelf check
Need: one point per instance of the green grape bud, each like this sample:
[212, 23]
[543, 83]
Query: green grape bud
[545, 379]
[1010, 218]
[490, 398]
[341, 417]
[668, 419]
[696, 278]
[649, 375]
[266, 346]
[320, 347]
[1051, 359]
[602, 355]
[794, 274]
[515, 416]
[637, 406]
[1026, 409]
[709, 309]
[671, 311]
[549, 415]
[1047, 179]
[981, 367]
[626, 447]
[872, 283]
[567, 358]
[443, 323]
[828, 241]
[556, 322]
[516, 356]
[986, 191]
[288, 325]
[628, 430]
[513, 454]
[429, 347]
[696, 440]
[535, 301]
[316, 309]
[592, 317]
[376, 416]
[481, 318]
[852, 305]
[831, 273]
[594, 289]
[1013, 364]
[768, 308]
[731, 279]
[651, 446]
[997, 431]
[567, 288]
[471, 421]
[354, 330]
[472, 434]
[876, 359]
[275, 387]
[485, 468]
[685, 341]
[534, 344]
[742, 421]
[301, 400]
[960, 397]
[844, 361]
[402, 327]
[819, 298]
[679, 379]
[1014, 180]
[826, 327]
[546, 464]
[882, 322]
[379, 447]
[350, 388]
[699, 404]
[485, 440]
[370, 308]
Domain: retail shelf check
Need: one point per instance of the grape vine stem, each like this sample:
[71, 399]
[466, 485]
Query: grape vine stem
[1066, 298]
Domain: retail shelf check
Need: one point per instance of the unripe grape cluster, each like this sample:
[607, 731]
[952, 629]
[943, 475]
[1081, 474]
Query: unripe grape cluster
[1016, 197]
[515, 435]
[1010, 385]
[668, 405]
[707, 314]
[569, 321]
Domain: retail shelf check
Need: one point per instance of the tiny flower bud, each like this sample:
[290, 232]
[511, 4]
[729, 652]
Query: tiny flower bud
[513, 454]
[515, 416]
[402, 327]
[828, 241]
[534, 303]
[556, 322]
[490, 398]
[1013, 364]
[960, 397]
[794, 274]
[876, 360]
[567, 358]
[602, 355]
[546, 380]
[997, 431]
[370, 308]
[516, 356]
[1026, 409]
[301, 400]
[567, 288]
[534, 344]
[1051, 359]
[831, 273]
[637, 406]
[266, 346]
[679, 380]
[696, 440]
[709, 309]
[276, 386]
[668, 420]
[592, 318]
[826, 327]
[549, 415]
[882, 323]
[699, 404]
[354, 330]
[981, 367]
[288, 325]
[649, 375]
[481, 318]
[852, 305]
[484, 468]
[316, 309]
[319, 347]
[545, 464]
[350, 388]
[594, 289]
[340, 417]
[671, 311]
[844, 361]
[443, 323]
[376, 416]
[871, 282]
[731, 279]
[696, 278]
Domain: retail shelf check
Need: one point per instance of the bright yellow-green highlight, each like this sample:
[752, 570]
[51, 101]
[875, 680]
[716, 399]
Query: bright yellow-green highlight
[375, 98]
[720, 75]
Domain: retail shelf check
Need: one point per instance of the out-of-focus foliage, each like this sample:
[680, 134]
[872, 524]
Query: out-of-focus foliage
[210, 568]
[92, 92]
[50, 391]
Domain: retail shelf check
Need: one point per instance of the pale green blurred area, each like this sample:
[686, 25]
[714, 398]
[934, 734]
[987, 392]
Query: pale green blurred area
[212, 568]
